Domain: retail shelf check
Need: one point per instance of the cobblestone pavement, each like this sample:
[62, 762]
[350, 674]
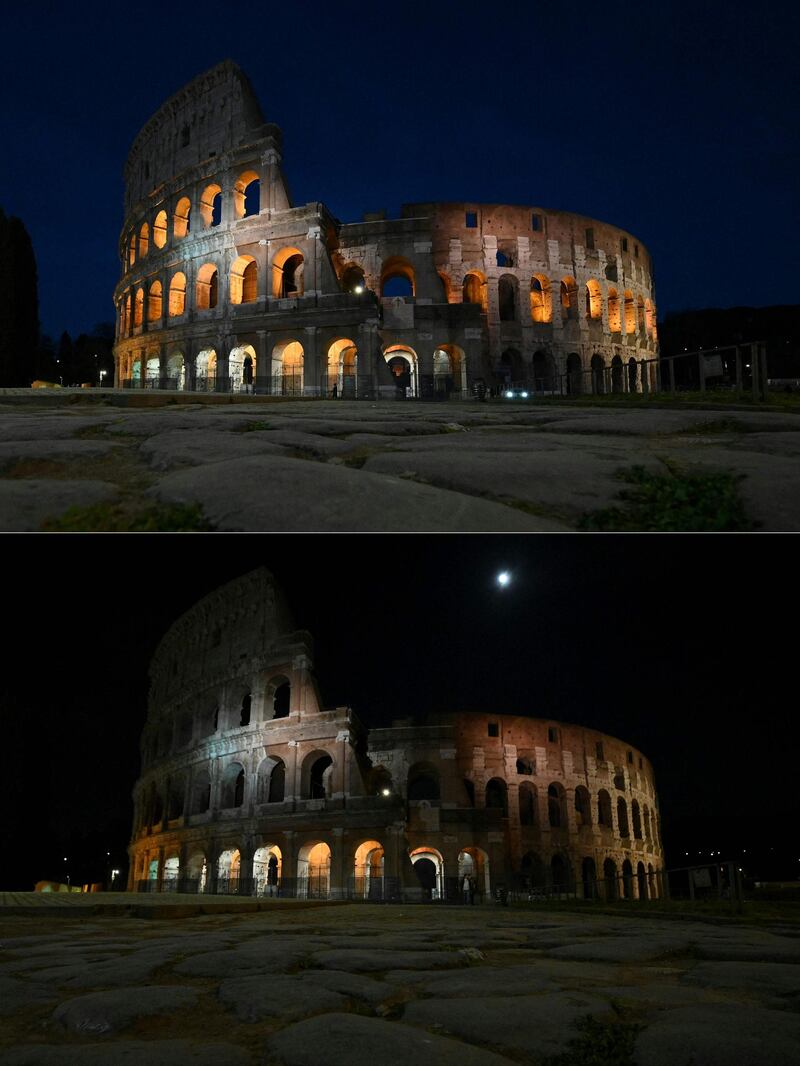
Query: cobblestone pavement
[355, 984]
[338, 466]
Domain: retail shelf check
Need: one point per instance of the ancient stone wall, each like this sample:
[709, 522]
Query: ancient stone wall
[241, 765]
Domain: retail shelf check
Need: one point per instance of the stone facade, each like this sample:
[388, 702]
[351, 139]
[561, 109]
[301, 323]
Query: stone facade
[226, 285]
[250, 785]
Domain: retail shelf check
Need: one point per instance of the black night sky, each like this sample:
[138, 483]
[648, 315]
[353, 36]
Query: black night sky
[675, 120]
[682, 645]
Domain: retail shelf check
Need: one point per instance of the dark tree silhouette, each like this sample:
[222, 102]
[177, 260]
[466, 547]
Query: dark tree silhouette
[19, 304]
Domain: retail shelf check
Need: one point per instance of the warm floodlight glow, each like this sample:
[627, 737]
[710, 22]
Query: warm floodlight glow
[503, 578]
[358, 289]
[385, 792]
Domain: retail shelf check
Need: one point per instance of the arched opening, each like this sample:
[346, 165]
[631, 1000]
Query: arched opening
[207, 292]
[598, 374]
[544, 372]
[532, 868]
[449, 369]
[138, 307]
[633, 375]
[511, 369]
[205, 370]
[429, 868]
[569, 299]
[541, 299]
[474, 864]
[181, 218]
[561, 874]
[402, 363]
[211, 205]
[288, 273]
[617, 374]
[507, 298]
[314, 871]
[630, 312]
[627, 879]
[497, 795]
[287, 369]
[144, 240]
[156, 808]
[279, 692]
[276, 792]
[267, 863]
[423, 783]
[610, 879]
[524, 765]
[176, 371]
[574, 374]
[556, 806]
[594, 300]
[244, 710]
[614, 320]
[175, 796]
[152, 870]
[637, 820]
[527, 804]
[160, 229]
[641, 881]
[242, 368]
[201, 792]
[640, 314]
[171, 873]
[604, 809]
[177, 294]
[232, 786]
[368, 871]
[247, 194]
[244, 280]
[132, 250]
[622, 817]
[228, 866]
[352, 279]
[583, 806]
[473, 290]
[196, 873]
[589, 879]
[152, 372]
[128, 322]
[397, 277]
[380, 782]
[154, 301]
[342, 367]
[317, 773]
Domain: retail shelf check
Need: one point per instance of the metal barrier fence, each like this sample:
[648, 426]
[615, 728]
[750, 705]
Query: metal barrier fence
[742, 367]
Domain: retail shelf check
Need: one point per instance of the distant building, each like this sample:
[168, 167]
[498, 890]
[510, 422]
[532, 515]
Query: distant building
[249, 785]
[226, 285]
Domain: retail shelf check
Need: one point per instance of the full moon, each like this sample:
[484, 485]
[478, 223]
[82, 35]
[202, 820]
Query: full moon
[503, 578]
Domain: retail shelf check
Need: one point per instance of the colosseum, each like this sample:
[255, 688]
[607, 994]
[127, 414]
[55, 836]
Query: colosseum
[228, 286]
[250, 786]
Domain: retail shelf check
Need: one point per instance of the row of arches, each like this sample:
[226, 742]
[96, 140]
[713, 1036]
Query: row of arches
[610, 882]
[246, 201]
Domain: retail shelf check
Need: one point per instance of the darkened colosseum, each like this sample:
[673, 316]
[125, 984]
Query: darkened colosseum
[249, 785]
[228, 286]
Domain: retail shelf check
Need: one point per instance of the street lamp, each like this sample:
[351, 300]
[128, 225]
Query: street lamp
[102, 375]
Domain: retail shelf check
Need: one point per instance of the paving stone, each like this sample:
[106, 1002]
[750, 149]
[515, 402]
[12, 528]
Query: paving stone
[107, 973]
[774, 949]
[538, 1025]
[105, 1012]
[26, 503]
[62, 451]
[751, 978]
[489, 981]
[374, 960]
[254, 999]
[15, 995]
[720, 1035]
[353, 1040]
[620, 949]
[202, 447]
[277, 494]
[128, 1053]
[262, 959]
[349, 984]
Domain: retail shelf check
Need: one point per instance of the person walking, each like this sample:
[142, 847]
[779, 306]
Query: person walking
[466, 888]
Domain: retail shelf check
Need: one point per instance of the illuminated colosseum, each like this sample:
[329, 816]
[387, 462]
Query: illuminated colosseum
[249, 785]
[228, 286]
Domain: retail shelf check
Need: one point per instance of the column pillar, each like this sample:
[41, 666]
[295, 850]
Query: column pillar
[311, 369]
[338, 874]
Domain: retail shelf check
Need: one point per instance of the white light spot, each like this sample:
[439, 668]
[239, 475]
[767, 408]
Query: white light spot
[503, 579]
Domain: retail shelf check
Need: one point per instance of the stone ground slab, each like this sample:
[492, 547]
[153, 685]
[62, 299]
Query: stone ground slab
[26, 503]
[254, 999]
[276, 494]
[486, 981]
[129, 1053]
[376, 960]
[261, 959]
[353, 1040]
[12, 452]
[15, 995]
[720, 1035]
[352, 985]
[620, 949]
[203, 447]
[538, 1025]
[754, 979]
[104, 1012]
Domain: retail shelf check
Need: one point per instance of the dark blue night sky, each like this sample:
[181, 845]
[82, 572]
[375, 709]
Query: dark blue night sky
[676, 121]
